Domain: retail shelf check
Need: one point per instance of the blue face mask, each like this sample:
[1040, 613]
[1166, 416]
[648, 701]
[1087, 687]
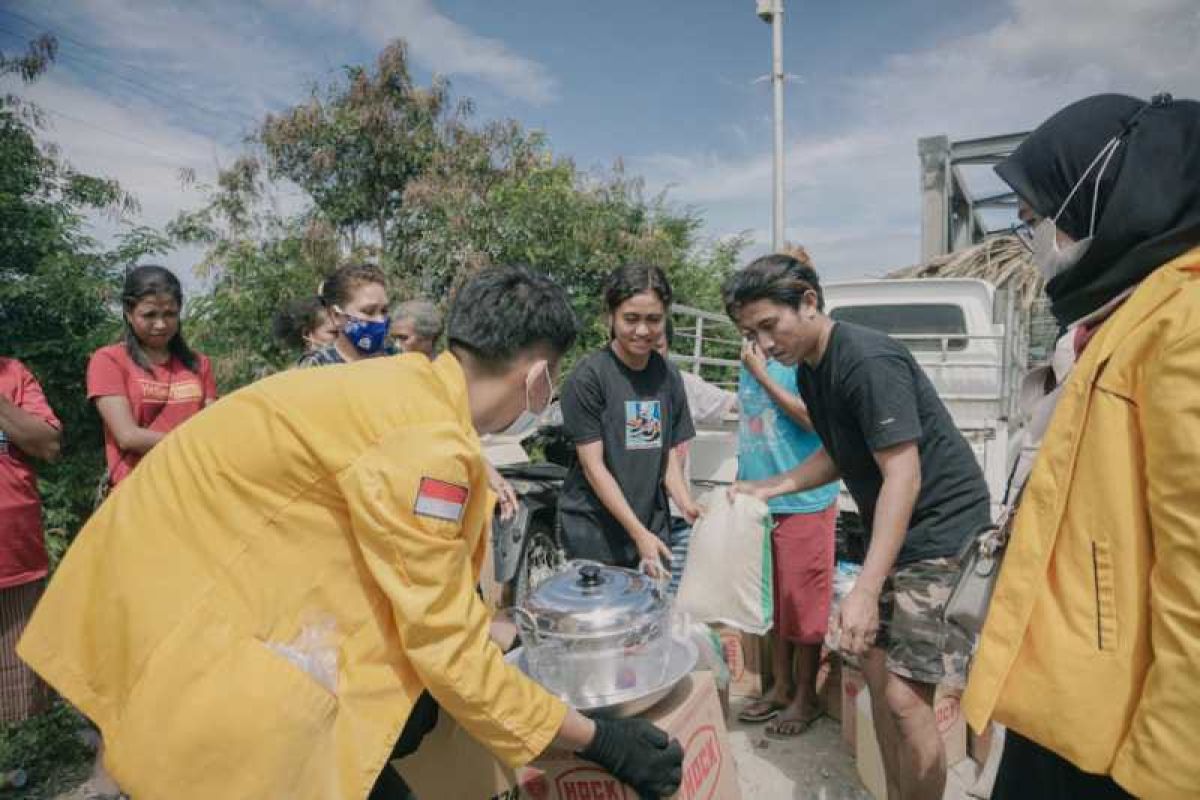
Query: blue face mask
[367, 336]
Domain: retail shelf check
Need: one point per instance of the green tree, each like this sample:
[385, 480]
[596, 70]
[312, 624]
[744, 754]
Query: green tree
[500, 195]
[354, 146]
[57, 287]
[445, 198]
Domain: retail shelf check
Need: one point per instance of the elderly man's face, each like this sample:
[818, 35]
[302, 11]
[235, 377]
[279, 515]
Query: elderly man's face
[405, 335]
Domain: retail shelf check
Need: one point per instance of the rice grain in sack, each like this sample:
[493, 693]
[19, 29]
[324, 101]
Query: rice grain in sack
[727, 577]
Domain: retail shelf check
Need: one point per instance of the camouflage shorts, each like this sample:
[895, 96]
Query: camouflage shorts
[919, 644]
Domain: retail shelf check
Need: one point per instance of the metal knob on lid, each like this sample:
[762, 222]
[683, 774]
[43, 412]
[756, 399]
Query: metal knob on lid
[588, 598]
[589, 576]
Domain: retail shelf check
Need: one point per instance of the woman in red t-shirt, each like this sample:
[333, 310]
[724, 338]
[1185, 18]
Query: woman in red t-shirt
[151, 382]
[28, 429]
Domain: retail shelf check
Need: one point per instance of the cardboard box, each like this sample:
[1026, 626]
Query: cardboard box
[743, 655]
[854, 683]
[951, 723]
[450, 764]
[866, 753]
[979, 745]
[829, 684]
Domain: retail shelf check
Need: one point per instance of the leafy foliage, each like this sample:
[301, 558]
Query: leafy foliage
[57, 289]
[48, 748]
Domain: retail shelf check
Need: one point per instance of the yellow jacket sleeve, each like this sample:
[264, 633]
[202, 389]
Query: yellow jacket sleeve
[1157, 759]
[423, 564]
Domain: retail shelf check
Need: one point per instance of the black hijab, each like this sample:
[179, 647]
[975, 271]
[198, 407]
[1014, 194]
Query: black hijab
[1149, 203]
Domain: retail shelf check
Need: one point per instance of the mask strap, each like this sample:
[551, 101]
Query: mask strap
[1109, 148]
[529, 389]
[1106, 153]
[1096, 192]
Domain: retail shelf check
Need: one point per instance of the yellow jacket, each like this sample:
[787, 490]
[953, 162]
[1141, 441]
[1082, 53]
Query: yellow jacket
[1092, 643]
[291, 505]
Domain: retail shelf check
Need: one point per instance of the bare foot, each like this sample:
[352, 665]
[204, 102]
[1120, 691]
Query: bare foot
[794, 720]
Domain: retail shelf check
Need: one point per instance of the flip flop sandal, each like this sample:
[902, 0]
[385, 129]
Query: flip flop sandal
[767, 714]
[802, 725]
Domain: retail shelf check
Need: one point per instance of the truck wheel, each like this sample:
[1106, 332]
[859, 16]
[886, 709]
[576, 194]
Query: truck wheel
[543, 557]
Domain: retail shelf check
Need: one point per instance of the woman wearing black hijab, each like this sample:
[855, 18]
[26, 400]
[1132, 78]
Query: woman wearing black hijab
[1091, 651]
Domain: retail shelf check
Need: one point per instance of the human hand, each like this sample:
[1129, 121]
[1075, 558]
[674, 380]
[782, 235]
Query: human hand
[637, 753]
[750, 488]
[652, 553]
[858, 620]
[506, 498]
[753, 358]
[691, 512]
[503, 631]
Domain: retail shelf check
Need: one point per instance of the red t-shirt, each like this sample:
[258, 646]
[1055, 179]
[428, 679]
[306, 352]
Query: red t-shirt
[161, 400]
[22, 549]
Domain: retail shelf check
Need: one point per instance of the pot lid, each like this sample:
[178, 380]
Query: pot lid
[588, 598]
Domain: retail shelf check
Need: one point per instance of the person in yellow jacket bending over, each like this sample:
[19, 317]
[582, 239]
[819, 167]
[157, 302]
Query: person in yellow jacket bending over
[281, 598]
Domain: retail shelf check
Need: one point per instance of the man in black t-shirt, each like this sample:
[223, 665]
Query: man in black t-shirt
[917, 484]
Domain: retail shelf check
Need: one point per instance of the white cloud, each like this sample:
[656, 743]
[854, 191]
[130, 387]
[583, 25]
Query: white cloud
[219, 66]
[129, 142]
[441, 44]
[853, 195]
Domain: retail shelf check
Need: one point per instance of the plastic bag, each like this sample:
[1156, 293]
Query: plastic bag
[727, 577]
[845, 574]
[708, 644]
[314, 650]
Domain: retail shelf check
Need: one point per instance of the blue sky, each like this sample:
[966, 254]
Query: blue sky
[144, 87]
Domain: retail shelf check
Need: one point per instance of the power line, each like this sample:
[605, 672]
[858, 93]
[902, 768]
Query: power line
[92, 59]
[174, 160]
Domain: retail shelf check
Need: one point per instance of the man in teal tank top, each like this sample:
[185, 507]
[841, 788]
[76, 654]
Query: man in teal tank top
[774, 436]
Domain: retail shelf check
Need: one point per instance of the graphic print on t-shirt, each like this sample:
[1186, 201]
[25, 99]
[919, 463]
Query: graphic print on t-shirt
[643, 425]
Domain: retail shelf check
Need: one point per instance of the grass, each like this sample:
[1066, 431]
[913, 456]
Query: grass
[50, 751]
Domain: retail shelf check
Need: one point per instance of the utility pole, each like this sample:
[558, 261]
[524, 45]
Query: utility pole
[771, 11]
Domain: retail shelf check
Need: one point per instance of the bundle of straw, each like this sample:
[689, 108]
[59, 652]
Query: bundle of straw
[1000, 260]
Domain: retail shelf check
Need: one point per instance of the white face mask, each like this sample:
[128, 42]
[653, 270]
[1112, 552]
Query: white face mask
[1052, 260]
[1048, 257]
[527, 420]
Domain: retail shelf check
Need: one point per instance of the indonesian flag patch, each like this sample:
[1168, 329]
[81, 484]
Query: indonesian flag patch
[441, 500]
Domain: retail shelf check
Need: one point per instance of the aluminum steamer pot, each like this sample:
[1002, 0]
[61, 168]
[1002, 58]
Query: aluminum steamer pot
[592, 632]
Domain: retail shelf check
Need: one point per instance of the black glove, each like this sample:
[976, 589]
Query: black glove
[639, 754]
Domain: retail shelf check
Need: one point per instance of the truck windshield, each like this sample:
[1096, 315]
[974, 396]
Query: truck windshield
[903, 321]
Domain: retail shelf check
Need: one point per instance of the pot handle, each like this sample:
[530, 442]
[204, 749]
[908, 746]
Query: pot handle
[526, 624]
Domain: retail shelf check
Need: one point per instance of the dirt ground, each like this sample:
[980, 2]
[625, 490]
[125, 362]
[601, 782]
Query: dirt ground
[813, 765]
[818, 766]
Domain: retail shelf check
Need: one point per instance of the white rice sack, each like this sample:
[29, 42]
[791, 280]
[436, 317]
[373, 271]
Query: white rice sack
[727, 578]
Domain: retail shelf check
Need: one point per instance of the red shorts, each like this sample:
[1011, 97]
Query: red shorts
[803, 550]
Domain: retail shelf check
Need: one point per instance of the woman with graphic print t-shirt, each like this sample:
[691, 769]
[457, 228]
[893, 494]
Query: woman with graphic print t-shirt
[625, 409]
[151, 382]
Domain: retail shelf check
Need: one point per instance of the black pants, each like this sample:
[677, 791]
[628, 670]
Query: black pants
[424, 716]
[1029, 771]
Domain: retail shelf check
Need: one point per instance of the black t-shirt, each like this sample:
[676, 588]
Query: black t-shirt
[639, 416]
[868, 393]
